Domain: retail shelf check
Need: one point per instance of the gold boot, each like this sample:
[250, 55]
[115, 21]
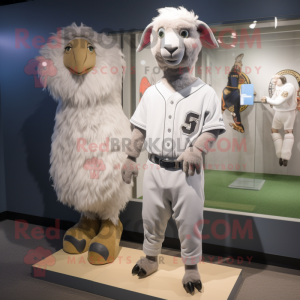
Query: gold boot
[104, 247]
[237, 127]
[77, 239]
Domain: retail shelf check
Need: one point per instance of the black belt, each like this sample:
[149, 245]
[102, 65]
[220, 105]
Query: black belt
[165, 163]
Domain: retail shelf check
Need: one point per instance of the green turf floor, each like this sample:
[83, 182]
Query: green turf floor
[279, 196]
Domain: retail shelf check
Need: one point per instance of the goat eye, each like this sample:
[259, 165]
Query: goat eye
[161, 33]
[91, 48]
[68, 48]
[184, 34]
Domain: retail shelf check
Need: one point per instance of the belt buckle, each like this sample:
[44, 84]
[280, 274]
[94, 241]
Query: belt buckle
[160, 160]
[177, 164]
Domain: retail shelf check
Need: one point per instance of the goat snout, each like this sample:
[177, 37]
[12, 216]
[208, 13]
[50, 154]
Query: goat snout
[171, 49]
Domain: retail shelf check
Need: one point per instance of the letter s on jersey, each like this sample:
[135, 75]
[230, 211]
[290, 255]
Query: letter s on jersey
[191, 121]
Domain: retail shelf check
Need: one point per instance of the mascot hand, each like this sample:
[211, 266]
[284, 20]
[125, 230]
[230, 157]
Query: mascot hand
[264, 100]
[129, 169]
[192, 159]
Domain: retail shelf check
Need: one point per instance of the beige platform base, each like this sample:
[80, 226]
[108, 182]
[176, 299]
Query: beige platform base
[115, 280]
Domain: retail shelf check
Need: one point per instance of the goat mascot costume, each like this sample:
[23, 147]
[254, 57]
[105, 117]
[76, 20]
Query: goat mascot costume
[179, 118]
[87, 86]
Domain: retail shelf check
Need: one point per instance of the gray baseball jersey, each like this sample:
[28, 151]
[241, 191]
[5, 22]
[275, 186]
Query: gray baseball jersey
[173, 120]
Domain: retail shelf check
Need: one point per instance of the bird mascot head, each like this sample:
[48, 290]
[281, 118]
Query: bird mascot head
[89, 65]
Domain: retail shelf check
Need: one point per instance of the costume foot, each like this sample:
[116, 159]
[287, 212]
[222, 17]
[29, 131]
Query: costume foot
[145, 266]
[285, 162]
[105, 246]
[239, 128]
[191, 279]
[77, 239]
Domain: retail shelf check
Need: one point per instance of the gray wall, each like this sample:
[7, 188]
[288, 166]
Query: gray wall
[2, 171]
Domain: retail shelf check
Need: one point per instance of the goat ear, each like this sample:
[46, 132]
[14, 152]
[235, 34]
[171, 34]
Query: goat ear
[206, 35]
[145, 40]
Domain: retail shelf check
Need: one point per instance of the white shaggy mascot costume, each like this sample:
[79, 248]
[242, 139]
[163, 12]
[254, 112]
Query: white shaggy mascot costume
[88, 132]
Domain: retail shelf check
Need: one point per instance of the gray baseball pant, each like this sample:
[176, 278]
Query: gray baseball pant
[167, 190]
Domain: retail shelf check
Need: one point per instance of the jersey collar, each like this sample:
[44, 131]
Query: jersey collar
[167, 93]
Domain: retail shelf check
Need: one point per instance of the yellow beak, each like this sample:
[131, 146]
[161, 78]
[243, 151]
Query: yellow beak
[79, 56]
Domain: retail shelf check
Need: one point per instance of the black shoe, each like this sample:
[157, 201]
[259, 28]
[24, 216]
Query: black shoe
[280, 162]
[285, 162]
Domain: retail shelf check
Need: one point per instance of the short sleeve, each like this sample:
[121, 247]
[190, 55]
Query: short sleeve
[139, 117]
[213, 116]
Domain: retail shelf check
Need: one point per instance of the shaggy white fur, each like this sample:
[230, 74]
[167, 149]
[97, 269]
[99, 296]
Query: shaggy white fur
[90, 109]
[173, 13]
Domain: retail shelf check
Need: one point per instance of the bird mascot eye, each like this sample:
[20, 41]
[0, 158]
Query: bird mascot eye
[91, 48]
[161, 33]
[184, 34]
[68, 48]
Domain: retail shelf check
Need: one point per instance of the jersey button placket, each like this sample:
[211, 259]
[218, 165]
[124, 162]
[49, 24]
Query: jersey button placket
[169, 123]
